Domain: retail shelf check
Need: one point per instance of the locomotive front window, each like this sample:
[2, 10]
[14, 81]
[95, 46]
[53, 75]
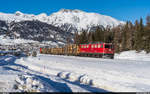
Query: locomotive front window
[99, 46]
[107, 46]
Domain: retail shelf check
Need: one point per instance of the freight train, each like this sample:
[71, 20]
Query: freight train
[99, 50]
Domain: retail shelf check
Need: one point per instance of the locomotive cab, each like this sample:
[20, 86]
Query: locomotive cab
[105, 50]
[109, 50]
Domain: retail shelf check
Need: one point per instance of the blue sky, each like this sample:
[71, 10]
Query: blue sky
[119, 9]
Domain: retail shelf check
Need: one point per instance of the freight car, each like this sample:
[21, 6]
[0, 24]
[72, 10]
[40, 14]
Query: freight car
[100, 50]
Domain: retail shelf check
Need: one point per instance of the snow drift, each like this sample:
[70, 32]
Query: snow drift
[133, 55]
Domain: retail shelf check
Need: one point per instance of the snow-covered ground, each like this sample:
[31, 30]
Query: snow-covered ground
[128, 72]
[133, 55]
[15, 77]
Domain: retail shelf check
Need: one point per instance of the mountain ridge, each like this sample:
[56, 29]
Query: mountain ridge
[75, 18]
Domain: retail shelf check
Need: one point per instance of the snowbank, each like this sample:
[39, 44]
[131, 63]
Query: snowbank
[17, 78]
[84, 79]
[28, 83]
[133, 55]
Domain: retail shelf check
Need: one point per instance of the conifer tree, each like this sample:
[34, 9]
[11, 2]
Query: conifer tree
[90, 39]
[147, 35]
[141, 35]
[124, 37]
[83, 37]
[136, 35]
[117, 38]
[129, 35]
[99, 35]
[76, 38]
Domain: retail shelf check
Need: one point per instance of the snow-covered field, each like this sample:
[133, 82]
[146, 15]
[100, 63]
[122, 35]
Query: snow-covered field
[128, 72]
[133, 55]
[15, 77]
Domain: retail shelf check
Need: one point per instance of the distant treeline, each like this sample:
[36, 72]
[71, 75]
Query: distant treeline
[124, 37]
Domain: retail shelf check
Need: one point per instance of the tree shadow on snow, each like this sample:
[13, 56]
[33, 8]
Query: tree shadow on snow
[8, 68]
[87, 87]
[6, 60]
[10, 60]
[60, 87]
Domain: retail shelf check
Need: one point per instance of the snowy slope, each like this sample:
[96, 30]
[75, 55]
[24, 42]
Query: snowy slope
[133, 55]
[75, 18]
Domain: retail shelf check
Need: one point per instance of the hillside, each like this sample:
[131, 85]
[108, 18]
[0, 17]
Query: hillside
[34, 30]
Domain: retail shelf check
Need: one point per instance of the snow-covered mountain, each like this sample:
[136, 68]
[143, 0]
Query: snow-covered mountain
[81, 19]
[57, 27]
[72, 18]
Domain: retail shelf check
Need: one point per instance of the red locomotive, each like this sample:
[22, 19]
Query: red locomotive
[97, 50]
[104, 50]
